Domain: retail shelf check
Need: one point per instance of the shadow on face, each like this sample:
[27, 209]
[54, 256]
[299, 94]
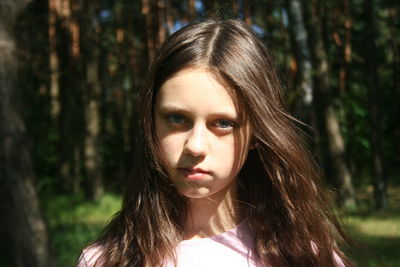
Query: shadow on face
[203, 132]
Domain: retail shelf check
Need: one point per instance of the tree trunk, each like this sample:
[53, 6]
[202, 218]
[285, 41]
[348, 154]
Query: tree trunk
[54, 7]
[210, 7]
[150, 42]
[246, 11]
[191, 10]
[70, 119]
[23, 229]
[235, 8]
[302, 52]
[327, 121]
[395, 47]
[92, 96]
[346, 46]
[379, 179]
[169, 17]
[161, 23]
[92, 139]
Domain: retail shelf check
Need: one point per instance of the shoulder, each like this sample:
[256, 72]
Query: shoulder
[90, 256]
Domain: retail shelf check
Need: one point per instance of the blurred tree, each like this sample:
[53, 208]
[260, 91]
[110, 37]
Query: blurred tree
[161, 22]
[92, 97]
[54, 7]
[394, 29]
[379, 172]
[72, 104]
[303, 83]
[246, 11]
[191, 10]
[235, 8]
[149, 29]
[70, 125]
[346, 53]
[23, 230]
[327, 122]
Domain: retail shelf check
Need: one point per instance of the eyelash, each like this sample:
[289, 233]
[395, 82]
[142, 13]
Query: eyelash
[178, 119]
[230, 125]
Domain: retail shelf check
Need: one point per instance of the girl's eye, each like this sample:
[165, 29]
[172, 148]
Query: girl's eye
[176, 119]
[224, 124]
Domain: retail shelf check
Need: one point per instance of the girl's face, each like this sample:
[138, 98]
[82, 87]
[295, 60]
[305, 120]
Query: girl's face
[203, 137]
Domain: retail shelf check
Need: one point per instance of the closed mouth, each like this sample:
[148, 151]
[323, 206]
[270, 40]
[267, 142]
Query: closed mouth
[193, 173]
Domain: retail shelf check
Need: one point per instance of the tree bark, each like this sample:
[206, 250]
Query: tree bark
[150, 42]
[161, 23]
[379, 179]
[54, 6]
[246, 12]
[302, 51]
[210, 7]
[235, 8]
[22, 226]
[395, 47]
[327, 121]
[92, 96]
[191, 10]
[346, 46]
[70, 84]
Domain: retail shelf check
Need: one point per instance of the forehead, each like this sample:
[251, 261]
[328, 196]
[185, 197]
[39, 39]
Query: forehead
[197, 89]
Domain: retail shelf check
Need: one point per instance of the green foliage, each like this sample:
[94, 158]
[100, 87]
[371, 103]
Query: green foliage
[74, 223]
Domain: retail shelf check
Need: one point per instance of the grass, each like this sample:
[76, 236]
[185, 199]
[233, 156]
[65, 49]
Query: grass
[378, 232]
[381, 236]
[75, 222]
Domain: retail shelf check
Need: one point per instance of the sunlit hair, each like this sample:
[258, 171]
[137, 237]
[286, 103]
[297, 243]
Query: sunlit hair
[285, 205]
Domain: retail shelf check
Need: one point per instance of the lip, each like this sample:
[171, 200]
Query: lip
[193, 173]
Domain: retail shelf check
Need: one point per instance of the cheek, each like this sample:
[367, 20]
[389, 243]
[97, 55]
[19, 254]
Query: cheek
[171, 147]
[225, 148]
[163, 138]
[228, 154]
[236, 152]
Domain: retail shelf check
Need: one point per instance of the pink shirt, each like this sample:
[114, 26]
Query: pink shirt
[234, 248]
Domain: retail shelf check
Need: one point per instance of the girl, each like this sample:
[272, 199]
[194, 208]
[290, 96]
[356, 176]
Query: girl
[223, 177]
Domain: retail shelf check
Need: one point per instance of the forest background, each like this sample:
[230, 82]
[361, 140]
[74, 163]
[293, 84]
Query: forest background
[69, 74]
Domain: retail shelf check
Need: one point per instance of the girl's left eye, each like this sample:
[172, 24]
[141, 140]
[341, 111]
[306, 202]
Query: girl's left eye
[224, 124]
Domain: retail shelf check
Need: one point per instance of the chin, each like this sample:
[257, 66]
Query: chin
[195, 193]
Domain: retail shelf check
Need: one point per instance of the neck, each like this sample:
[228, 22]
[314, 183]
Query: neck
[213, 215]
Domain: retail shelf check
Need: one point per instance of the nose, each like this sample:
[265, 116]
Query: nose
[196, 143]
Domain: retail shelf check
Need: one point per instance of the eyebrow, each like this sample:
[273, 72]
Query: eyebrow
[174, 109]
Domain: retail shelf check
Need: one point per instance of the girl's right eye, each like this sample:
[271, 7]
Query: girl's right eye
[176, 119]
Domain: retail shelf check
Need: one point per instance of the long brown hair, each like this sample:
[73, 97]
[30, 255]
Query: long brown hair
[286, 207]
